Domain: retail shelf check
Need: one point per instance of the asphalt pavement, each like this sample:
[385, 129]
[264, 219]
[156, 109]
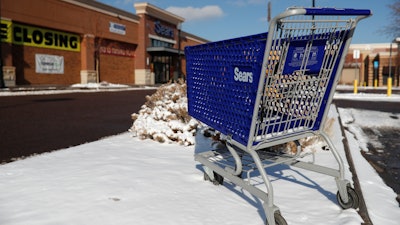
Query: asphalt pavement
[384, 159]
[33, 124]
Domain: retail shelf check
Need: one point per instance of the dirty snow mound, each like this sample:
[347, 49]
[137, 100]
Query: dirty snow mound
[164, 116]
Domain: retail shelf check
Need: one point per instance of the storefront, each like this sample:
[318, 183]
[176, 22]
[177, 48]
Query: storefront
[372, 65]
[160, 48]
[39, 54]
[63, 42]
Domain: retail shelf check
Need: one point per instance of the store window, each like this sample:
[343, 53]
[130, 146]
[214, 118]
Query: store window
[163, 61]
[159, 43]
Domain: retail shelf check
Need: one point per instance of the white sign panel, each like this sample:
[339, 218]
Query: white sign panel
[117, 28]
[356, 54]
[49, 64]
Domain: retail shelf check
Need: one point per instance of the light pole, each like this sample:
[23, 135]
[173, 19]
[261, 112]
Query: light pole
[389, 81]
[179, 50]
[397, 41]
[356, 56]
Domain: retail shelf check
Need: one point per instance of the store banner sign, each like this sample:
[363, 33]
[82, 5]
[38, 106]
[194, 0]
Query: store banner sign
[119, 51]
[117, 28]
[38, 37]
[49, 64]
[5, 31]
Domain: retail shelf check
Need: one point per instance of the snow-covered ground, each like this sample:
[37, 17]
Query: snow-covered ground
[125, 180]
[379, 198]
[81, 88]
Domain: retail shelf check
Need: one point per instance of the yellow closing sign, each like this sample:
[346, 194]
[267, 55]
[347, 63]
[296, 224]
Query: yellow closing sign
[5, 31]
[38, 37]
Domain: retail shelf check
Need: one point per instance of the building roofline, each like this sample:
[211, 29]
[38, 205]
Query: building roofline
[149, 9]
[372, 45]
[105, 9]
[194, 37]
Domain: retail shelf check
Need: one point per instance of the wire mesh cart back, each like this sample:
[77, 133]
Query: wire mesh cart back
[268, 89]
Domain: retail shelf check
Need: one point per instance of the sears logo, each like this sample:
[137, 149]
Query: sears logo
[242, 76]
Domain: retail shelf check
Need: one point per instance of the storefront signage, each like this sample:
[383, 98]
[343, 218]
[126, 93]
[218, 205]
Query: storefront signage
[163, 30]
[117, 28]
[49, 64]
[117, 51]
[356, 54]
[38, 37]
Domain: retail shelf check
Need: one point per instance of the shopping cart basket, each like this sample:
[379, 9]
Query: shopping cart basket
[269, 89]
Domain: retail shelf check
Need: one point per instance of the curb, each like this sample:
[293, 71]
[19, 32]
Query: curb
[363, 211]
[18, 91]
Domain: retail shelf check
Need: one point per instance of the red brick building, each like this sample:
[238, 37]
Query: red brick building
[372, 64]
[63, 42]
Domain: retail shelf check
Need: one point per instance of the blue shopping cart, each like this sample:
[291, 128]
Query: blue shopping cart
[269, 89]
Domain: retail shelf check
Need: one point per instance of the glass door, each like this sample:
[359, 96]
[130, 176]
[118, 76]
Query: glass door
[162, 68]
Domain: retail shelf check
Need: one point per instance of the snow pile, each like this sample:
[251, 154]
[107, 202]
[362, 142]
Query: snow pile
[103, 84]
[164, 116]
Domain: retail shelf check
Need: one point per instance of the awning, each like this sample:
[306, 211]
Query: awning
[164, 51]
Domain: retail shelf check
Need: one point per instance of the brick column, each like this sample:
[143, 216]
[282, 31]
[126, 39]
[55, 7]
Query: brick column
[143, 74]
[9, 76]
[88, 70]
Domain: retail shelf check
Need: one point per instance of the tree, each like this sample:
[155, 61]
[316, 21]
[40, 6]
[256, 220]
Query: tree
[393, 28]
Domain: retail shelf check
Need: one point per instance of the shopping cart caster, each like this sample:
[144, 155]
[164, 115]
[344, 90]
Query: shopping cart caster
[206, 177]
[279, 220]
[217, 179]
[353, 199]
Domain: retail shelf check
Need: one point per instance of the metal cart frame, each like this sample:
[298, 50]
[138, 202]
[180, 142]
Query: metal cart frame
[269, 89]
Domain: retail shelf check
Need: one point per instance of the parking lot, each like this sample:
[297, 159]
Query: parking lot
[33, 124]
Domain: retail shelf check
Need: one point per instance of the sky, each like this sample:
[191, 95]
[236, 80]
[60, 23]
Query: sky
[225, 19]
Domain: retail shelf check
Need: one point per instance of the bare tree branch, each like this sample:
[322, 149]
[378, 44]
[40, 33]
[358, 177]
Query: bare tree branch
[393, 28]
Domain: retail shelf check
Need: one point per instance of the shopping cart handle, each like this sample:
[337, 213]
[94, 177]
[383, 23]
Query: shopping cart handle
[336, 11]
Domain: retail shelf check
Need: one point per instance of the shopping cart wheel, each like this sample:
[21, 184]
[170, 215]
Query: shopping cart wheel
[279, 220]
[353, 199]
[206, 177]
[218, 179]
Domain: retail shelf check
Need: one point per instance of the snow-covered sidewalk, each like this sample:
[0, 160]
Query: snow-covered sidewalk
[379, 198]
[75, 88]
[125, 180]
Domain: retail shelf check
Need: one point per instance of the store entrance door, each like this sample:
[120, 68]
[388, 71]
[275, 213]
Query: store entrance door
[162, 69]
